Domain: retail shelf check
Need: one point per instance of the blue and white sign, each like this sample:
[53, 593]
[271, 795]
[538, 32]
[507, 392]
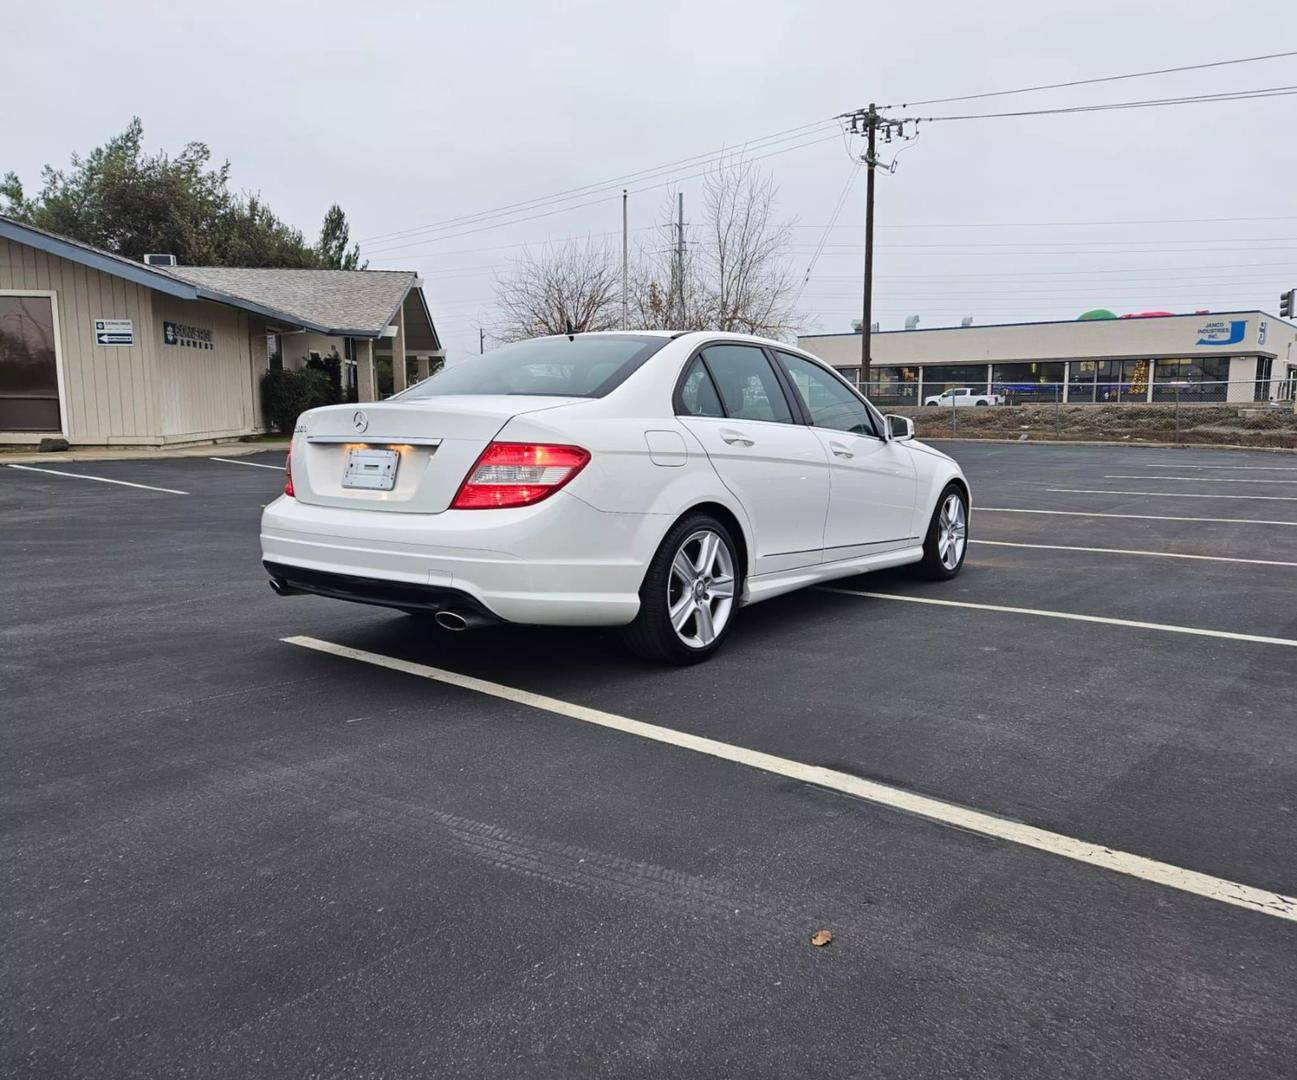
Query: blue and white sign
[1222, 332]
[114, 332]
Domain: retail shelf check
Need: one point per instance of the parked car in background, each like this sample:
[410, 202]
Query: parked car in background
[655, 482]
[964, 395]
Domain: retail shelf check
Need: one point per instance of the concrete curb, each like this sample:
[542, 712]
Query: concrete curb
[140, 454]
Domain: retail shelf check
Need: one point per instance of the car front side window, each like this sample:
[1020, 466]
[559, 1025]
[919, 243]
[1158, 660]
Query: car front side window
[829, 403]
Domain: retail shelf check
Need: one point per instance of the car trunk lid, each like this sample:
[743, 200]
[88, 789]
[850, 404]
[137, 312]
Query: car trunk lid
[436, 441]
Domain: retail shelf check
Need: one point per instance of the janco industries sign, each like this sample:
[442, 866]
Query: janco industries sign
[1222, 332]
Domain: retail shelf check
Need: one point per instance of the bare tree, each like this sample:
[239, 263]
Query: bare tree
[743, 250]
[574, 287]
[735, 275]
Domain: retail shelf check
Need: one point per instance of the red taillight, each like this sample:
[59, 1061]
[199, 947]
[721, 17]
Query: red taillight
[288, 473]
[518, 474]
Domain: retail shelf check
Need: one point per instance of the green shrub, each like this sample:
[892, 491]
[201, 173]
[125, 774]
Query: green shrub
[285, 395]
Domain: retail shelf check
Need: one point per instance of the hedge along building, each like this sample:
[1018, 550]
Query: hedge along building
[105, 351]
[1236, 356]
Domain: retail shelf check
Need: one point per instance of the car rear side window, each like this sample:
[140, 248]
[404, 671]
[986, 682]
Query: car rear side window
[747, 384]
[698, 393]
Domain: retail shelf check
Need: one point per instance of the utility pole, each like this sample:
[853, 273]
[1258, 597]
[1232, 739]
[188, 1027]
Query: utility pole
[680, 256]
[866, 326]
[869, 122]
[481, 341]
[625, 264]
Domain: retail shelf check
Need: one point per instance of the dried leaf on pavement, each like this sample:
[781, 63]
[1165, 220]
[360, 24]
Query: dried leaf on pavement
[822, 937]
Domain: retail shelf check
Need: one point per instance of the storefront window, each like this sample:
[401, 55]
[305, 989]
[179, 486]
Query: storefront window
[940, 377]
[1203, 378]
[29, 381]
[1081, 375]
[894, 386]
[1034, 381]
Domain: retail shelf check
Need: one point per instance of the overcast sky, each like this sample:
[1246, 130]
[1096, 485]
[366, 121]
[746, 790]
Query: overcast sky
[411, 113]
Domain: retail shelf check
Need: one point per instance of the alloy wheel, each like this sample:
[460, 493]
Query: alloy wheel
[952, 531]
[700, 589]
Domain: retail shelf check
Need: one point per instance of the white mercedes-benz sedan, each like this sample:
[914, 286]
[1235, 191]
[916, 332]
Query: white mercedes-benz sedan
[656, 482]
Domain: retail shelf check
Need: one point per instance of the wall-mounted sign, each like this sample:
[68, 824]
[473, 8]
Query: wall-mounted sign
[1222, 332]
[189, 337]
[114, 332]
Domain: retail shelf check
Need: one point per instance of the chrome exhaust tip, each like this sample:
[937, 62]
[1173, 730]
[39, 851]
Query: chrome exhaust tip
[451, 620]
[280, 587]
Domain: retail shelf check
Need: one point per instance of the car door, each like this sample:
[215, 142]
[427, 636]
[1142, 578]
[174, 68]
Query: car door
[873, 481]
[731, 398]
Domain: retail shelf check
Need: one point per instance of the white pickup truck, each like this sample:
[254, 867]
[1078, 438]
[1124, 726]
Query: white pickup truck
[964, 395]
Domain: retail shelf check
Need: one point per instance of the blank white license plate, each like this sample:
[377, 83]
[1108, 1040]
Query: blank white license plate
[372, 469]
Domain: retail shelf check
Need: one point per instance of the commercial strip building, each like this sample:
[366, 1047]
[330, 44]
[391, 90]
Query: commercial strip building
[1237, 356]
[103, 351]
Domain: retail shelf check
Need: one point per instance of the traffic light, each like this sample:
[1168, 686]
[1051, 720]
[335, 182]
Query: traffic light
[1288, 304]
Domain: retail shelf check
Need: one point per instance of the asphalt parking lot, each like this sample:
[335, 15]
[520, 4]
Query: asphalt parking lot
[231, 855]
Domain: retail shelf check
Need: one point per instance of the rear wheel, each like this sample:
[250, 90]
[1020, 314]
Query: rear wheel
[947, 538]
[689, 597]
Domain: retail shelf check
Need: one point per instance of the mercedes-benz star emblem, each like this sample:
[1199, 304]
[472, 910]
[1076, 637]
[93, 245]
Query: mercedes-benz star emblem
[360, 421]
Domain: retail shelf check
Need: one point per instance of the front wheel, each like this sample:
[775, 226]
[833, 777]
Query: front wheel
[947, 538]
[690, 594]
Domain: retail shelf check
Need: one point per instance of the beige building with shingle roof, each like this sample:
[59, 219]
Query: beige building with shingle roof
[103, 351]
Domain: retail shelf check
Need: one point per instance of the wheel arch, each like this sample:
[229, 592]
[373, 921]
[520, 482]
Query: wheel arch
[730, 520]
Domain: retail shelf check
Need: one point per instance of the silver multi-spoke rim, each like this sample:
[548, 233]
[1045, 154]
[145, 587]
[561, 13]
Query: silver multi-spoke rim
[700, 590]
[952, 531]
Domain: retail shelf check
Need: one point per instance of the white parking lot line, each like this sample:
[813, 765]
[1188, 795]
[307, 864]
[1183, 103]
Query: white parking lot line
[1130, 551]
[1170, 494]
[1133, 517]
[253, 464]
[1249, 468]
[101, 479]
[1083, 851]
[1166, 628]
[1200, 479]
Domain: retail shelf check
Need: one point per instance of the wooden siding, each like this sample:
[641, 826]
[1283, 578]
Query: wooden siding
[147, 393]
[204, 393]
[110, 391]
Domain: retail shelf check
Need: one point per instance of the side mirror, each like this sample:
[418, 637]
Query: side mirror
[899, 428]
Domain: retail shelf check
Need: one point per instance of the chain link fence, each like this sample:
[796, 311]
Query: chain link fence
[1253, 412]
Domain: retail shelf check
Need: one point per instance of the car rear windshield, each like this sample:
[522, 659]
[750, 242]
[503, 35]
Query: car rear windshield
[583, 365]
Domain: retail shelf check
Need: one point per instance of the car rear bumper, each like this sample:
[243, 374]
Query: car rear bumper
[559, 562]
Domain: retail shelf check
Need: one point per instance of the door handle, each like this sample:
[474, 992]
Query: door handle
[841, 450]
[735, 437]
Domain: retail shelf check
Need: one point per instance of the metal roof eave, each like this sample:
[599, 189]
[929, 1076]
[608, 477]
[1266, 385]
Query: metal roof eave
[136, 273]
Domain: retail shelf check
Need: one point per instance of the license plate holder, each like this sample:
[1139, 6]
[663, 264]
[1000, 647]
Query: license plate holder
[371, 470]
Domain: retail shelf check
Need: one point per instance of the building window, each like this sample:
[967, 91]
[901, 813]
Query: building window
[29, 378]
[1203, 378]
[894, 386]
[1034, 381]
[275, 352]
[940, 377]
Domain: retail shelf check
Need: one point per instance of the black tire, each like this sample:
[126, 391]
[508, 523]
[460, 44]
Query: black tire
[652, 635]
[934, 566]
[977, 403]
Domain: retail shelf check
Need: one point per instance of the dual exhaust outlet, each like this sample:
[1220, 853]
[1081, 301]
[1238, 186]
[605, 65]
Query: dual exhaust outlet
[452, 619]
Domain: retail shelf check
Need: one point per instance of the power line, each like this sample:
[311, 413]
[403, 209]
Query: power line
[1091, 82]
[1196, 99]
[1056, 224]
[671, 182]
[761, 142]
